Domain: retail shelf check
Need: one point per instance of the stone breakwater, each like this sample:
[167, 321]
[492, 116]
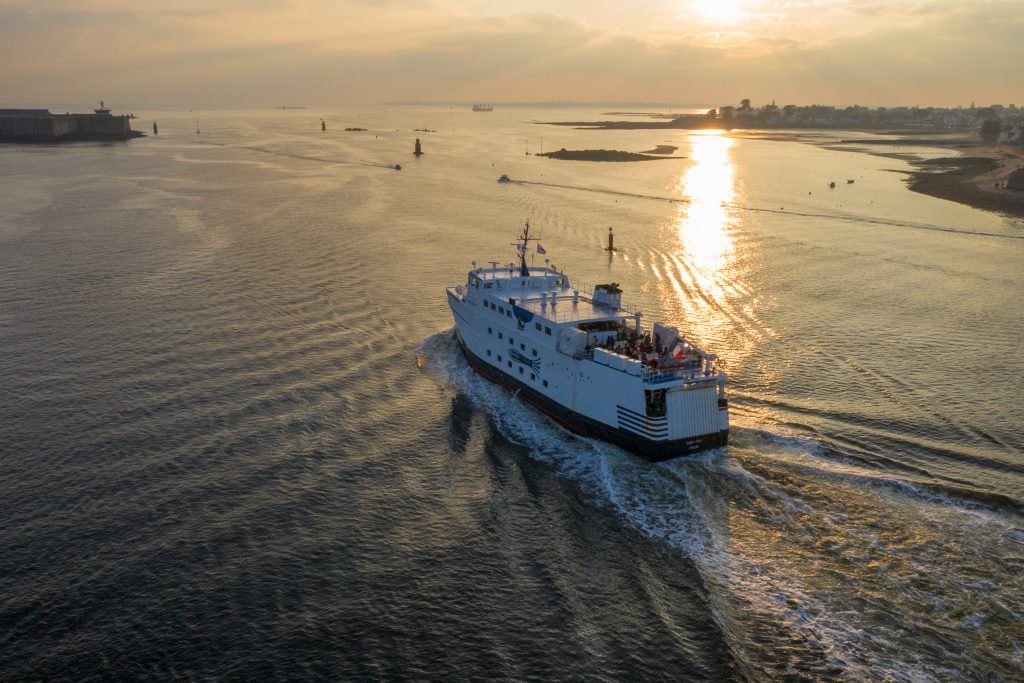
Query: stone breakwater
[39, 125]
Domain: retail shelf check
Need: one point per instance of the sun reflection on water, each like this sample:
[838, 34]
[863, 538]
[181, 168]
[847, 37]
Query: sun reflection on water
[703, 222]
[719, 307]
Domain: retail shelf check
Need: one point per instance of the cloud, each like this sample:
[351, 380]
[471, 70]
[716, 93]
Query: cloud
[222, 53]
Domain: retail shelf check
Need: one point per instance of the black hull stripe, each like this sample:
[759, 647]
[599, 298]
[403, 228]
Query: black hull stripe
[641, 433]
[641, 416]
[653, 433]
[639, 424]
[637, 444]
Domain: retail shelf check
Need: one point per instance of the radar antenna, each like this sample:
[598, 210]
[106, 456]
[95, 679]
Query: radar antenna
[522, 247]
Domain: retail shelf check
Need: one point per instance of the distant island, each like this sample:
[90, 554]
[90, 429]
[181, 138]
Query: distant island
[602, 155]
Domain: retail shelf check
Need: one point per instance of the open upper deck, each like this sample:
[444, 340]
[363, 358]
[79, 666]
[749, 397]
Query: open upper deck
[546, 293]
[570, 306]
[508, 278]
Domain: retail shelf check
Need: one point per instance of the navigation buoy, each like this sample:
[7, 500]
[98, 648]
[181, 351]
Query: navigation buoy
[156, 131]
[419, 150]
[323, 126]
[611, 240]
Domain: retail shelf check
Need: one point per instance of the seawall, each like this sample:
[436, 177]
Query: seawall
[39, 125]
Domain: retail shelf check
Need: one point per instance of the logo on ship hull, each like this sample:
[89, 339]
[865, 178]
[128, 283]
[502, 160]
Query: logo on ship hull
[522, 316]
[522, 358]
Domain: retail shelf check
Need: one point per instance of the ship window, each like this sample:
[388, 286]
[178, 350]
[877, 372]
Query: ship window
[547, 330]
[532, 376]
[537, 326]
[488, 285]
[655, 402]
[511, 341]
[520, 371]
[501, 309]
[522, 347]
[523, 283]
[509, 312]
[500, 335]
[510, 364]
[534, 351]
[545, 382]
[499, 359]
[489, 331]
[488, 352]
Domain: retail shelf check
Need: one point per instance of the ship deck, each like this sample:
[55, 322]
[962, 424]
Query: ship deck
[565, 311]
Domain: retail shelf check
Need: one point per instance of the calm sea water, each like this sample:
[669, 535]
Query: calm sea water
[237, 440]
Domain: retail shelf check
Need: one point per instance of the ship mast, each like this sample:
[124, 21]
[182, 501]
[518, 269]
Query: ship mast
[524, 271]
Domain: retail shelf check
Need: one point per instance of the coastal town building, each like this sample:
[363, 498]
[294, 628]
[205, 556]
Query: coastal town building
[1012, 133]
[1010, 118]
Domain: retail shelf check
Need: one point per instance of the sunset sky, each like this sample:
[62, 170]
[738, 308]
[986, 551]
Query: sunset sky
[204, 53]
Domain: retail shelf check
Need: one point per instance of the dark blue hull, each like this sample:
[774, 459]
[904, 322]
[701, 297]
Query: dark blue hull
[647, 449]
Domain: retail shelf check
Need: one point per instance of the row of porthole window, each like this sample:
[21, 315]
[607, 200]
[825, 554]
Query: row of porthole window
[512, 342]
[533, 377]
[500, 310]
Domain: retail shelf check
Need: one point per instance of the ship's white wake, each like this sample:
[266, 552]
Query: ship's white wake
[799, 554]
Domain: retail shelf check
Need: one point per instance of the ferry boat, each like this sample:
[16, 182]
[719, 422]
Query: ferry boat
[587, 362]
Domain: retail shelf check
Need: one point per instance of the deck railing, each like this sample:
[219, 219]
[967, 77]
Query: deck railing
[660, 375]
[656, 376]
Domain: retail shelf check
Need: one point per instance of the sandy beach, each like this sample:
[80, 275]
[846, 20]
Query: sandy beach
[978, 178]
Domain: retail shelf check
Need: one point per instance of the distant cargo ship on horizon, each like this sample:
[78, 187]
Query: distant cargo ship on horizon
[482, 107]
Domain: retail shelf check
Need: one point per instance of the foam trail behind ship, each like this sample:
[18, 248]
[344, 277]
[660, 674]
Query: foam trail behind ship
[772, 526]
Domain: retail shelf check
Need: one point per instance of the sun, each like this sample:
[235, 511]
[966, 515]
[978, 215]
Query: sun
[718, 11]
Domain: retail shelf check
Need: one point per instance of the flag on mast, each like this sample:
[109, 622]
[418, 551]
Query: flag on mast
[540, 249]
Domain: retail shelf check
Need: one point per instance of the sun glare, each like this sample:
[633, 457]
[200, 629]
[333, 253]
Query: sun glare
[718, 11]
[704, 226]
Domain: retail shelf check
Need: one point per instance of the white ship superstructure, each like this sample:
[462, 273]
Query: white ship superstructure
[589, 363]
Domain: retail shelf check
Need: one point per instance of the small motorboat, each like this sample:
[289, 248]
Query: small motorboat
[398, 167]
[504, 179]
